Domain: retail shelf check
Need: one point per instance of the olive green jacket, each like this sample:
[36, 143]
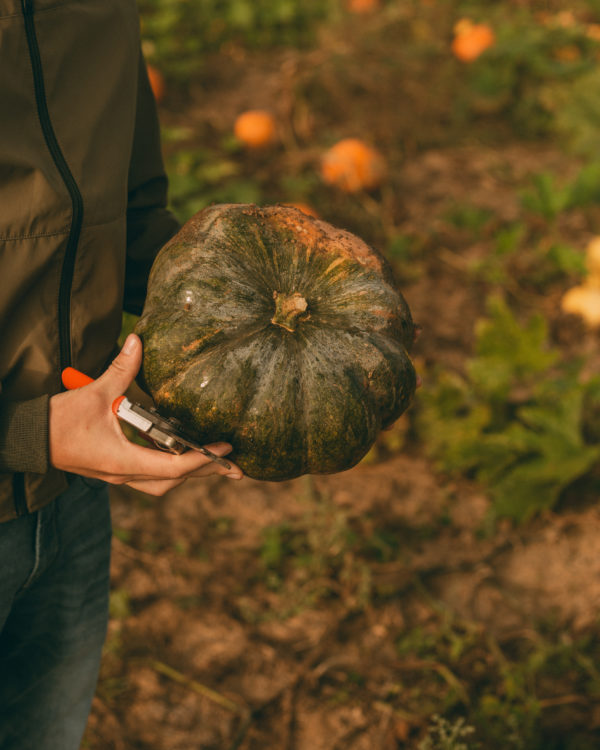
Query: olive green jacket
[82, 213]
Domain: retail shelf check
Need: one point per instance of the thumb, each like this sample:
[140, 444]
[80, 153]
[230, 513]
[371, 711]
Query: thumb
[124, 367]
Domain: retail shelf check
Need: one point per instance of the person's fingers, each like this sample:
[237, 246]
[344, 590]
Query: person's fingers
[159, 487]
[155, 487]
[212, 468]
[135, 462]
[123, 369]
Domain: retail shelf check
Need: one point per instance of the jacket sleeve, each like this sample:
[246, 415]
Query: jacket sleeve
[24, 435]
[149, 224]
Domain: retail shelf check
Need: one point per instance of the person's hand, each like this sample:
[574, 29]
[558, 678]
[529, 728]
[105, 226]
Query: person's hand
[85, 437]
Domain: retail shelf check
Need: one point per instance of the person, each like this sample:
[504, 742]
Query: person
[82, 215]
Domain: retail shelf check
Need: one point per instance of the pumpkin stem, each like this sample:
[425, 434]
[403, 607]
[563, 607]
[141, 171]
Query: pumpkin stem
[287, 309]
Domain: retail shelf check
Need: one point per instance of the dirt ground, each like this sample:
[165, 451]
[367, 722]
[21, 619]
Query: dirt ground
[204, 653]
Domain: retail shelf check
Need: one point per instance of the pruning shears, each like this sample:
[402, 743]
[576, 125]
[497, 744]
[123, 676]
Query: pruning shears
[167, 434]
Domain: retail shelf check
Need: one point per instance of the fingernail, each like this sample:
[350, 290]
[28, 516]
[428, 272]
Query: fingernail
[129, 344]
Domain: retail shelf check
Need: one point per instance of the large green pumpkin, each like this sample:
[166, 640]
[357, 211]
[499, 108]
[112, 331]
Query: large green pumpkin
[278, 333]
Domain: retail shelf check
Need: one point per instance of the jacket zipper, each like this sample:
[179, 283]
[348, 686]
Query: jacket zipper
[19, 496]
[68, 265]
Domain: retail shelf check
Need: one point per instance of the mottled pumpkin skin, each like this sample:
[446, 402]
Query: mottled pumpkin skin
[279, 334]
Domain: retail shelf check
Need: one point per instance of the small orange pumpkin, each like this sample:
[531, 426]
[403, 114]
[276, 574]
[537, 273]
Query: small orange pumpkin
[255, 128]
[471, 40]
[353, 165]
[584, 301]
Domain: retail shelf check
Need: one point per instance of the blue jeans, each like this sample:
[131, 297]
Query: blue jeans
[54, 585]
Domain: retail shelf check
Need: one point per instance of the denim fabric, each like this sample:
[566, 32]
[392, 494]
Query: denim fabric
[54, 585]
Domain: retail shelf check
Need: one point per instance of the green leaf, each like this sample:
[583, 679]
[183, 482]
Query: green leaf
[515, 421]
[546, 197]
[549, 454]
[508, 352]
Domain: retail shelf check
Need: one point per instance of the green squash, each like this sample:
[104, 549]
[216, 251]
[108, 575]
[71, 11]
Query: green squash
[279, 334]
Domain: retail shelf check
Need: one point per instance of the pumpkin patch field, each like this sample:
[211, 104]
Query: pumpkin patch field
[430, 578]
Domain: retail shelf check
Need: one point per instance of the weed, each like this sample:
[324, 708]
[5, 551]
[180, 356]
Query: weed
[546, 197]
[494, 267]
[400, 248]
[514, 420]
[123, 535]
[575, 108]
[549, 197]
[566, 260]
[119, 605]
[468, 217]
[508, 239]
[446, 735]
